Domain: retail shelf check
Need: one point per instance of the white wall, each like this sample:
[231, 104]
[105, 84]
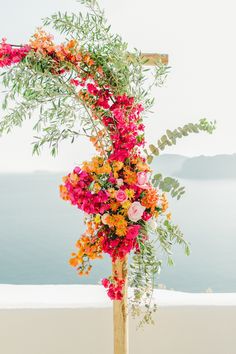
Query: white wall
[73, 319]
[178, 330]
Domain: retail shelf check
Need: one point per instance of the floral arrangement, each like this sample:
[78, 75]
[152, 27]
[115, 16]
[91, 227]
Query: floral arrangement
[119, 201]
[91, 86]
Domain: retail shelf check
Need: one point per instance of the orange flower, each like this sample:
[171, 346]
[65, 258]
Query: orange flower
[96, 187]
[118, 222]
[42, 42]
[150, 199]
[97, 166]
[114, 206]
[126, 205]
[72, 44]
[73, 261]
[64, 193]
[130, 193]
[87, 60]
[112, 192]
[164, 202]
[100, 70]
[117, 165]
[142, 166]
[89, 248]
[74, 178]
[130, 177]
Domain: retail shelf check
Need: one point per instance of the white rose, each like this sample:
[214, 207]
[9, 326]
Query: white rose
[135, 211]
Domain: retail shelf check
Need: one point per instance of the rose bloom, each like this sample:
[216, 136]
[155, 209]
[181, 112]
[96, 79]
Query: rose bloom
[121, 196]
[135, 211]
[142, 180]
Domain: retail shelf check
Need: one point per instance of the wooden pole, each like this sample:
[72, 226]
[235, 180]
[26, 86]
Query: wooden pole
[120, 309]
[120, 267]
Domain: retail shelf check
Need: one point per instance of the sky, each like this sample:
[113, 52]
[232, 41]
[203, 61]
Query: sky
[198, 36]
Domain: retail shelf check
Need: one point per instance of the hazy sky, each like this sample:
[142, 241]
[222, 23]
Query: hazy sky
[199, 37]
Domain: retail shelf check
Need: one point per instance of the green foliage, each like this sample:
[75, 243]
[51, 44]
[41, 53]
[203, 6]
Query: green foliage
[31, 86]
[60, 113]
[109, 51]
[146, 265]
[168, 235]
[143, 270]
[171, 136]
[169, 185]
[93, 35]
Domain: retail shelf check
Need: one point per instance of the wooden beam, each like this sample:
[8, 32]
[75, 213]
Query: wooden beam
[120, 309]
[153, 58]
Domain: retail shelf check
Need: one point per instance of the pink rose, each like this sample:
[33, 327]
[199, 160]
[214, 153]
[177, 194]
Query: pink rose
[135, 211]
[121, 196]
[143, 178]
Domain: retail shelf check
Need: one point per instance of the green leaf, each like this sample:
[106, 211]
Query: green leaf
[154, 149]
[187, 250]
[170, 137]
[169, 185]
[149, 159]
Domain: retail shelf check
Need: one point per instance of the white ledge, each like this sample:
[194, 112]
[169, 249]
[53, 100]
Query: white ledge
[94, 296]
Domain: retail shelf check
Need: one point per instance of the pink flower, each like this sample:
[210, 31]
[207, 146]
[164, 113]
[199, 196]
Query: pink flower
[112, 179]
[135, 211]
[105, 282]
[10, 55]
[74, 82]
[143, 178]
[146, 216]
[121, 196]
[92, 89]
[132, 231]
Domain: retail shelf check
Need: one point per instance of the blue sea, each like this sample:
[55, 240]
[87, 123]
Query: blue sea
[38, 232]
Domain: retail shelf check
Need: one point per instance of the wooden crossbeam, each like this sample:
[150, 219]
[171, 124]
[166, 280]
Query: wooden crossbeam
[153, 58]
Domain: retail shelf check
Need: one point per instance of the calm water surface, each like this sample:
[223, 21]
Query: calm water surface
[38, 231]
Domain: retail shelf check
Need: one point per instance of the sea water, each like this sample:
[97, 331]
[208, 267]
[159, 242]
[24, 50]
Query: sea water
[38, 232]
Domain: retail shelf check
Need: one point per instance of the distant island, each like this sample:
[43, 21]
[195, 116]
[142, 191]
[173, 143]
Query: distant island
[179, 166]
[199, 167]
